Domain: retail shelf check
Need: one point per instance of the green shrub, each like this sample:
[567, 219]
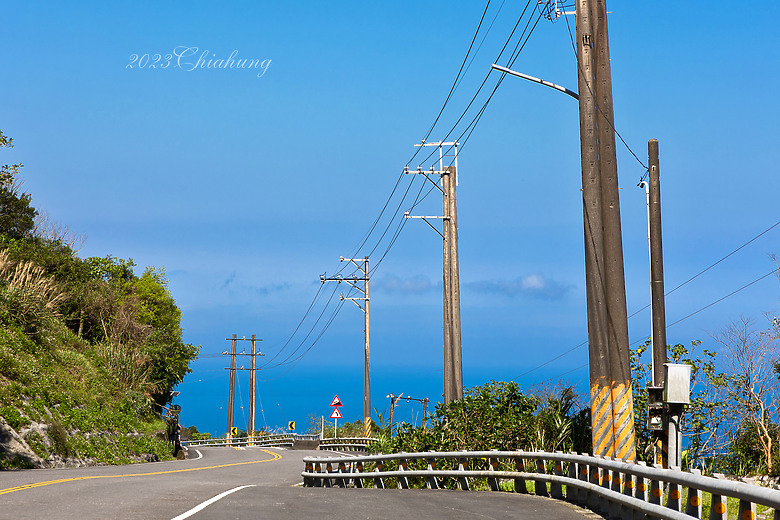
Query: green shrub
[13, 417]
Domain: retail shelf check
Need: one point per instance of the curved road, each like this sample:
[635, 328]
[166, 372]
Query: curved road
[241, 483]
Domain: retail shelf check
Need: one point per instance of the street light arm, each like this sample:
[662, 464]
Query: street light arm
[535, 80]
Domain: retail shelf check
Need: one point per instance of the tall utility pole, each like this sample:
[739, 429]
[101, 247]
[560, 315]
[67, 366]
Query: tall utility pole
[617, 339]
[610, 376]
[656, 266]
[252, 389]
[232, 388]
[665, 445]
[366, 332]
[453, 364]
[455, 346]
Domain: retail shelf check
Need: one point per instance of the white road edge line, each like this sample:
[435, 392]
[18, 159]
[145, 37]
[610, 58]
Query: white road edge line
[200, 455]
[208, 502]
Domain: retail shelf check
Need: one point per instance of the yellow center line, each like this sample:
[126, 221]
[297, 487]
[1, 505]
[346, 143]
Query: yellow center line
[275, 457]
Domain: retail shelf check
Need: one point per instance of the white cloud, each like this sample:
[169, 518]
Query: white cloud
[535, 286]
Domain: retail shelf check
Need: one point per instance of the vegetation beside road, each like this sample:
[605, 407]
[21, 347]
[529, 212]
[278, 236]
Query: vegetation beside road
[89, 350]
[732, 424]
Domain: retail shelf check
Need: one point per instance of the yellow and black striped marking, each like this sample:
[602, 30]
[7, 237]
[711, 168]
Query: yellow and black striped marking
[623, 421]
[601, 418]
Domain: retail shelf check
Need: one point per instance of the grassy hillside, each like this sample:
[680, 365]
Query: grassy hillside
[89, 350]
[59, 400]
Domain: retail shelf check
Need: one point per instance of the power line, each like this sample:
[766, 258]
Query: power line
[268, 365]
[401, 221]
[767, 230]
[636, 342]
[770, 273]
[673, 290]
[455, 83]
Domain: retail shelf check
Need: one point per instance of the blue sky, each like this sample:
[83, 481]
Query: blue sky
[247, 188]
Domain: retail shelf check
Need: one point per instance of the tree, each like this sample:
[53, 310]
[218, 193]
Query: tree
[169, 355]
[706, 421]
[752, 359]
[17, 216]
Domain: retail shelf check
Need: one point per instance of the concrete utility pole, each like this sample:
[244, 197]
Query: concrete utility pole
[617, 339]
[366, 331]
[664, 439]
[453, 364]
[232, 388]
[252, 389]
[656, 266]
[610, 374]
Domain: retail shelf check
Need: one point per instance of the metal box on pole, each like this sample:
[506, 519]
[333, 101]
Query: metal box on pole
[677, 387]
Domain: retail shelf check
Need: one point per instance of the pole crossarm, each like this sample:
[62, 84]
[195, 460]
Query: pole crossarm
[441, 144]
[355, 301]
[425, 174]
[425, 219]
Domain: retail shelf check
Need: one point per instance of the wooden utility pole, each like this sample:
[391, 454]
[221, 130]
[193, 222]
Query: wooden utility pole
[610, 375]
[252, 389]
[367, 357]
[232, 388]
[453, 360]
[352, 281]
[456, 356]
[449, 371]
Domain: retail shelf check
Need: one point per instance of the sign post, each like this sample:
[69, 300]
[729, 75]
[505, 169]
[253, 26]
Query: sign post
[336, 415]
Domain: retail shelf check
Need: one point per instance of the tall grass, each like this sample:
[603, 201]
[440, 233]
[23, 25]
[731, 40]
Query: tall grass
[28, 294]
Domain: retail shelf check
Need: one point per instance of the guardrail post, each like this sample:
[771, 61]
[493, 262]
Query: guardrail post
[329, 469]
[594, 476]
[674, 494]
[378, 482]
[629, 489]
[619, 511]
[463, 482]
[640, 492]
[747, 510]
[431, 482]
[318, 482]
[342, 482]
[540, 487]
[519, 481]
[656, 491]
[693, 505]
[403, 483]
[359, 479]
[719, 509]
[587, 497]
[492, 481]
[571, 491]
[308, 481]
[556, 488]
[607, 506]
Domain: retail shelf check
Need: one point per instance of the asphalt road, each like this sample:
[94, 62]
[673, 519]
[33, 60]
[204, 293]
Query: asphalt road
[247, 483]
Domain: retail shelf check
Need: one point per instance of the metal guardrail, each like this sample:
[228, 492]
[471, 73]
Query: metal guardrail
[284, 439]
[347, 443]
[617, 489]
